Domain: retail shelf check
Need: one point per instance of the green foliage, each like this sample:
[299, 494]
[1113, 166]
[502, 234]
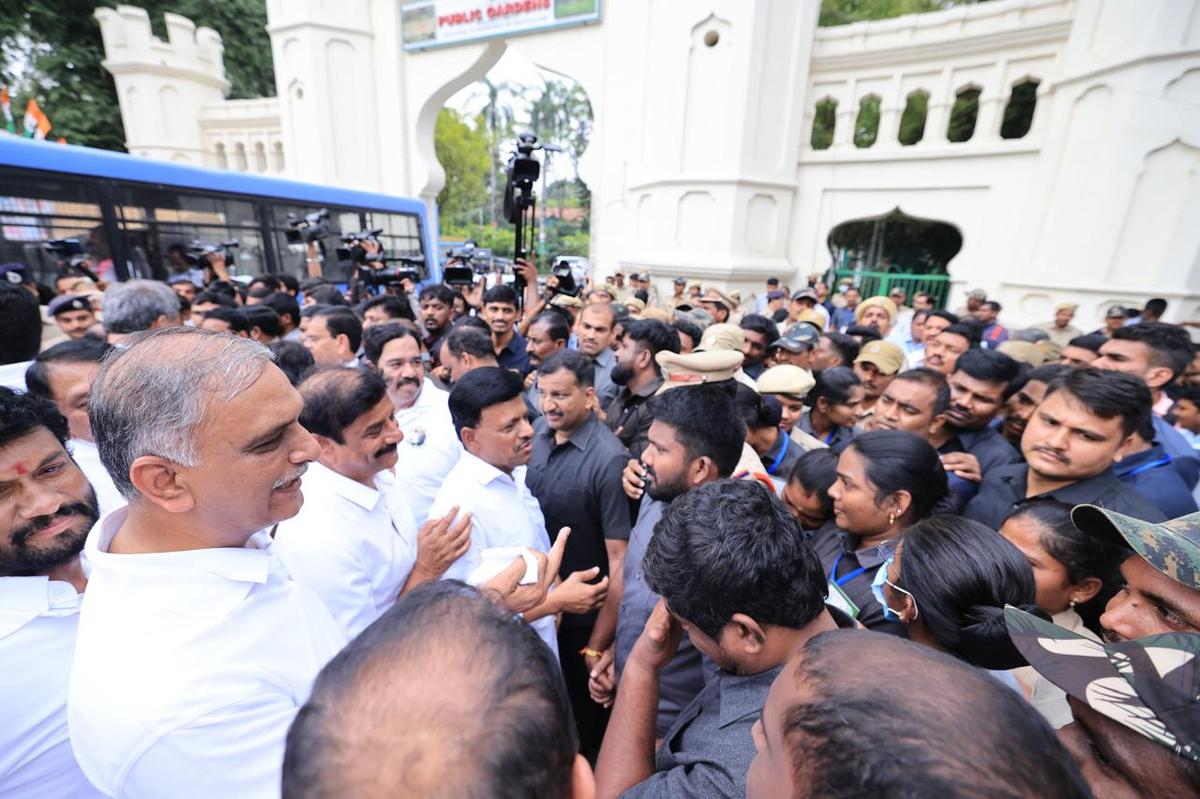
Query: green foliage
[824, 119]
[843, 12]
[51, 50]
[963, 115]
[1018, 112]
[912, 121]
[462, 150]
[866, 125]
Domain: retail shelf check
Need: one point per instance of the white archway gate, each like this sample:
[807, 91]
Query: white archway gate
[703, 160]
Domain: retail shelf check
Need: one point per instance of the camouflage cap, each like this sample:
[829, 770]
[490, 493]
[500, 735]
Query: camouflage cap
[1150, 685]
[1172, 547]
[721, 336]
[798, 338]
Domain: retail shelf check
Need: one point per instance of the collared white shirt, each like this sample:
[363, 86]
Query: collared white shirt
[504, 514]
[87, 458]
[353, 546]
[38, 617]
[429, 450]
[189, 668]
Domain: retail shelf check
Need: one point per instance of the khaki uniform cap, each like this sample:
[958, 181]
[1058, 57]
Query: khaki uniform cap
[697, 368]
[886, 356]
[786, 379]
[721, 336]
[1023, 351]
[886, 303]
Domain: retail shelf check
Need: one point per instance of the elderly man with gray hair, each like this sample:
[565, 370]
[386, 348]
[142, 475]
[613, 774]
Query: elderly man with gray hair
[138, 305]
[195, 648]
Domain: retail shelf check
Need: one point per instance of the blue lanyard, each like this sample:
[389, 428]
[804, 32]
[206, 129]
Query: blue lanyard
[840, 581]
[829, 437]
[782, 453]
[1145, 467]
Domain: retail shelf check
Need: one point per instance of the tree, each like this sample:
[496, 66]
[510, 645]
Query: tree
[843, 12]
[462, 150]
[51, 50]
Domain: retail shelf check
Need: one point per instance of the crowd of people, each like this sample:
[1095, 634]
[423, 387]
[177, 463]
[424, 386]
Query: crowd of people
[465, 541]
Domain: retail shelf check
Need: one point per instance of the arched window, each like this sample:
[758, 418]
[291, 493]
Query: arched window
[222, 158]
[824, 120]
[277, 156]
[239, 157]
[1018, 113]
[866, 124]
[912, 121]
[963, 115]
[260, 157]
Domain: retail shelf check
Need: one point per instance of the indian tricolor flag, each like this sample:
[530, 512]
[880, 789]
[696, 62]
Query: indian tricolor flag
[6, 106]
[37, 124]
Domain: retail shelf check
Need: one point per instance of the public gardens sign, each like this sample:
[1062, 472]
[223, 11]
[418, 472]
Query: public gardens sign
[437, 23]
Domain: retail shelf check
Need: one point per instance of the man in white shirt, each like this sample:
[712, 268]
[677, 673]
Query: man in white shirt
[489, 483]
[195, 648]
[430, 447]
[355, 542]
[46, 508]
[332, 334]
[63, 374]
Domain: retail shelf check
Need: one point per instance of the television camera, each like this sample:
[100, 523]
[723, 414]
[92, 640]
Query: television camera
[308, 228]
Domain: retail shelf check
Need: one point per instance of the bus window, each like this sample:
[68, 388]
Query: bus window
[152, 220]
[34, 211]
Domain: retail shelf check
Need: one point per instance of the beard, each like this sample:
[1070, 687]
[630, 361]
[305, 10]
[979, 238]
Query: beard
[666, 490]
[21, 559]
[621, 374]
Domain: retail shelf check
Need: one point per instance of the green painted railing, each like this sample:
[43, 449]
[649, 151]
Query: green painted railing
[871, 284]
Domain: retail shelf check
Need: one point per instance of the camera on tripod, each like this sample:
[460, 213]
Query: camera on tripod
[197, 252]
[308, 228]
[519, 200]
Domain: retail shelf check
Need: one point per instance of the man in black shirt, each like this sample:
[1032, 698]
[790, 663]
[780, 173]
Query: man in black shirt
[979, 386]
[437, 312]
[500, 312]
[1069, 445]
[638, 374]
[575, 473]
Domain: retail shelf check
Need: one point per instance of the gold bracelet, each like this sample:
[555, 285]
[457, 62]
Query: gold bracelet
[590, 653]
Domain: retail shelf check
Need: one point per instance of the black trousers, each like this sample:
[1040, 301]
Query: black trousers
[590, 718]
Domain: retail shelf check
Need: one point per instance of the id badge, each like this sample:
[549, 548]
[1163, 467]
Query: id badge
[839, 599]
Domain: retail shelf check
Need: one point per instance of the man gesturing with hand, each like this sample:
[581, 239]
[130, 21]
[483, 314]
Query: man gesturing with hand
[355, 542]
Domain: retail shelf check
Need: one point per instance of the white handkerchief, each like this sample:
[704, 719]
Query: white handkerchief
[497, 559]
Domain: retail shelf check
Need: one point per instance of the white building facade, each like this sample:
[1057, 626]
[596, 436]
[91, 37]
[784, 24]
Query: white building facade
[701, 161]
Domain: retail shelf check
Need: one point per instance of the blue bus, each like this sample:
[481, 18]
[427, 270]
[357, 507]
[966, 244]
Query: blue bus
[127, 213]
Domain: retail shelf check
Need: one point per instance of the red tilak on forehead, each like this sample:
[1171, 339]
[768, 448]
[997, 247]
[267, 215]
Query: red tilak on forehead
[21, 470]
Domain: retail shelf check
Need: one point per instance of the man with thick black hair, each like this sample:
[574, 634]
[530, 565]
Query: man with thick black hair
[500, 312]
[979, 385]
[638, 374]
[63, 374]
[1070, 444]
[385, 308]
[1083, 350]
[833, 728]
[758, 333]
[943, 350]
[288, 309]
[575, 473]
[834, 349]
[20, 333]
[48, 507]
[1157, 353]
[355, 542]
[489, 482]
[695, 437]
[475, 706]
[736, 575]
[465, 348]
[437, 313]
[333, 335]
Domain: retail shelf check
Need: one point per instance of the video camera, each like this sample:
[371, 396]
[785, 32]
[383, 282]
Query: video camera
[71, 251]
[467, 266]
[197, 252]
[566, 279]
[519, 200]
[356, 253]
[308, 228]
